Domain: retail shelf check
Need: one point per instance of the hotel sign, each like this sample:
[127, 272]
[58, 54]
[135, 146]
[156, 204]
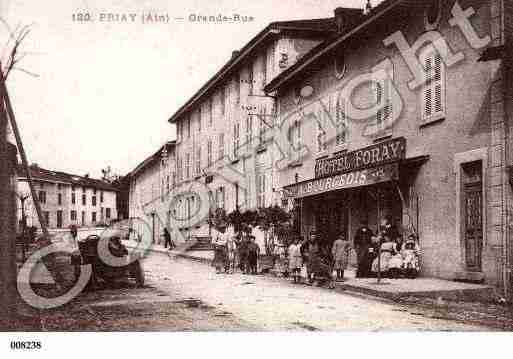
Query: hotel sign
[375, 155]
[365, 177]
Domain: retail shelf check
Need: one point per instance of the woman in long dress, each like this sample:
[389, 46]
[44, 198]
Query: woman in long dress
[387, 252]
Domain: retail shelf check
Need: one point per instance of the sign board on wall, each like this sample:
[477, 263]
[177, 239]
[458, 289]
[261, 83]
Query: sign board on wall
[365, 177]
[375, 155]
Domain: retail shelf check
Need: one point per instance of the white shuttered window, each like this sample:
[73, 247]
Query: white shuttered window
[433, 92]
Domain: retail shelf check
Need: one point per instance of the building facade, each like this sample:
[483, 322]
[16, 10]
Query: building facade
[150, 184]
[224, 132]
[66, 199]
[435, 153]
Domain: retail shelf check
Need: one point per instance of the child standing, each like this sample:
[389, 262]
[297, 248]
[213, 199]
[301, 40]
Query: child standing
[295, 260]
[340, 251]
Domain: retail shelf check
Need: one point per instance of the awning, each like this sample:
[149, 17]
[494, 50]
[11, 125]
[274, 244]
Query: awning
[361, 178]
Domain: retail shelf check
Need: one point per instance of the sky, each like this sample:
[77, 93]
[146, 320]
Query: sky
[105, 90]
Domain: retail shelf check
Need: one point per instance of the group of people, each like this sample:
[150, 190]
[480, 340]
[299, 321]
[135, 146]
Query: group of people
[320, 262]
[386, 252]
[232, 252]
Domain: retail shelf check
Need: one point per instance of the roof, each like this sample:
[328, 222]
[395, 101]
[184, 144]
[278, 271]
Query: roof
[153, 158]
[325, 47]
[322, 27]
[42, 174]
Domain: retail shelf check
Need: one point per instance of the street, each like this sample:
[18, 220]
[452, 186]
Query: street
[183, 295]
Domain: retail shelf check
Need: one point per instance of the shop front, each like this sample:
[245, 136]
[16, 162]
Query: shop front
[356, 187]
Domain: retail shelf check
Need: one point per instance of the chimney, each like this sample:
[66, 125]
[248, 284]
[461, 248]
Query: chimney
[340, 19]
[235, 53]
[368, 7]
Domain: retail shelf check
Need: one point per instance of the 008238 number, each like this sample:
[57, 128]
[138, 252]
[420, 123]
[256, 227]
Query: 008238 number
[26, 345]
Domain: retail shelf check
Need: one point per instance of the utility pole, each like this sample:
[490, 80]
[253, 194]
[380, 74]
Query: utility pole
[8, 271]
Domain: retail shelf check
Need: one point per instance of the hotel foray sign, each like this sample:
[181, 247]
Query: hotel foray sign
[381, 153]
[370, 165]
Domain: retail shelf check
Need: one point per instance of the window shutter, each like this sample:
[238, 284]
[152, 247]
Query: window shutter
[438, 84]
[379, 99]
[433, 92]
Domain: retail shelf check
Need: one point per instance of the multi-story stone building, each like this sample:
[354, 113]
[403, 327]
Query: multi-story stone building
[224, 130]
[434, 150]
[66, 199]
[150, 183]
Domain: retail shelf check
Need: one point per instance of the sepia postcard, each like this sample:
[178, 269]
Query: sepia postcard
[230, 166]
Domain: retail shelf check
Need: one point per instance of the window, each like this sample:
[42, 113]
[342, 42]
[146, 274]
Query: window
[59, 199]
[295, 140]
[261, 191]
[220, 197]
[179, 167]
[199, 119]
[93, 217]
[101, 214]
[209, 153]
[59, 219]
[264, 71]
[187, 165]
[59, 186]
[237, 88]
[340, 121]
[101, 197]
[83, 218]
[250, 80]
[188, 126]
[73, 215]
[221, 146]
[73, 198]
[42, 196]
[210, 111]
[249, 129]
[261, 125]
[107, 213]
[83, 190]
[84, 199]
[94, 200]
[198, 161]
[321, 137]
[433, 92]
[223, 100]
[46, 215]
[382, 92]
[236, 140]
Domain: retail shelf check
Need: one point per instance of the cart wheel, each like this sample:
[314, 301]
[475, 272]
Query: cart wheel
[137, 272]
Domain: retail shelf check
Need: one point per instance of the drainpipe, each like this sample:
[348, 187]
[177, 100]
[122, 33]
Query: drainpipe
[506, 216]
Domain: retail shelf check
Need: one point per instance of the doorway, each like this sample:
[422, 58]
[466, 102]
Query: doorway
[473, 215]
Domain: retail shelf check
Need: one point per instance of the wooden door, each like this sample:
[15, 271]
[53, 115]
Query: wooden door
[473, 226]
